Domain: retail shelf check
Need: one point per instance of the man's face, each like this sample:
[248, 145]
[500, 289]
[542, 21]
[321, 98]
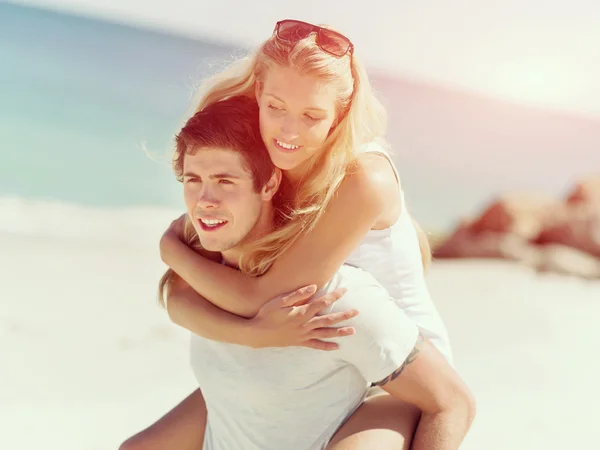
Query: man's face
[220, 197]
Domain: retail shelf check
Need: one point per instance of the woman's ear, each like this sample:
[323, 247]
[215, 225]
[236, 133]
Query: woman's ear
[258, 90]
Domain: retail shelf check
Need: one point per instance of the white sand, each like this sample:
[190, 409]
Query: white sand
[87, 357]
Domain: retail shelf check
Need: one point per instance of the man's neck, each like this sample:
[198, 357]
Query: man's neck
[232, 256]
[264, 226]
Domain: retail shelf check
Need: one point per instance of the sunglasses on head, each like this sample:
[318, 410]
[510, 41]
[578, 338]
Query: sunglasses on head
[329, 41]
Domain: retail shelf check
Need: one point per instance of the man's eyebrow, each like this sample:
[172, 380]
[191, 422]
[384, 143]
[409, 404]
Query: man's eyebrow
[213, 176]
[310, 108]
[224, 175]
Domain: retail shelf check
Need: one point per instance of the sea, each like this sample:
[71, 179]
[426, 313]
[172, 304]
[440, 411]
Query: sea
[89, 109]
[88, 112]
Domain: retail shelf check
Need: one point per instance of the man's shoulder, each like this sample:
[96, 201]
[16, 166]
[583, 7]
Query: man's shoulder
[381, 327]
[361, 288]
[350, 277]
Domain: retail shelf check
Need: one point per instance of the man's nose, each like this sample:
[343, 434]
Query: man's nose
[207, 197]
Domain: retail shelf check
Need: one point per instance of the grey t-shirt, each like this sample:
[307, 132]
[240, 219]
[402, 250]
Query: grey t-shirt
[295, 397]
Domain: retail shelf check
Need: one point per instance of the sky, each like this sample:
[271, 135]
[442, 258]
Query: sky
[543, 53]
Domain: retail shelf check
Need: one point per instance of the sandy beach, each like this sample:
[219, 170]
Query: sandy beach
[506, 103]
[89, 358]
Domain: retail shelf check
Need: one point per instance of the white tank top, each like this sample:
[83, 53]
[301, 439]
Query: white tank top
[393, 257]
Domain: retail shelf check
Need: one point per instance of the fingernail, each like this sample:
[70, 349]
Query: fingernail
[311, 289]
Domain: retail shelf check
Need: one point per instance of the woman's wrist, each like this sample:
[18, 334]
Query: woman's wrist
[249, 334]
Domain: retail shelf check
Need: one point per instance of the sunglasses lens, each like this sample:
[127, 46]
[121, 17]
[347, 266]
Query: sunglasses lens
[293, 31]
[333, 42]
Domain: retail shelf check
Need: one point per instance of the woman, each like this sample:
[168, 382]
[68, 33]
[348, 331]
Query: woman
[319, 120]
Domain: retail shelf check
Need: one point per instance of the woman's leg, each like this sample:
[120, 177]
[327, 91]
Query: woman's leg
[381, 422]
[182, 428]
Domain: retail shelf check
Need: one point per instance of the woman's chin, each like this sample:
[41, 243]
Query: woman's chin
[288, 161]
[284, 162]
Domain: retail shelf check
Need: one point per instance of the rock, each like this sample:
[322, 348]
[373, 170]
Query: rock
[586, 190]
[465, 243]
[520, 214]
[579, 229]
[569, 261]
[538, 231]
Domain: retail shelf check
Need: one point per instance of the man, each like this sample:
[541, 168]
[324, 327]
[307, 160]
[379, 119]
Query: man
[292, 397]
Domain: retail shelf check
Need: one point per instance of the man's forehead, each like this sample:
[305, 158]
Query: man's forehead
[216, 160]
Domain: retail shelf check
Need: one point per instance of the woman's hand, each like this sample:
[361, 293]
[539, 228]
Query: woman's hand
[292, 320]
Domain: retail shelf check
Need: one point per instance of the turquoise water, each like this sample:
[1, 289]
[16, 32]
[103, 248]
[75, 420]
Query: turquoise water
[80, 98]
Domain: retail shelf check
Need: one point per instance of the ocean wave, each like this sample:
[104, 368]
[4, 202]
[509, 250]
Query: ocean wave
[53, 218]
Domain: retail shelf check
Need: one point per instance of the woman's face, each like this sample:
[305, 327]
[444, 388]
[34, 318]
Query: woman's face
[296, 113]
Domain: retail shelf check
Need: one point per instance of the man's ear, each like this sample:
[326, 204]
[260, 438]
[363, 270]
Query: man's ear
[270, 188]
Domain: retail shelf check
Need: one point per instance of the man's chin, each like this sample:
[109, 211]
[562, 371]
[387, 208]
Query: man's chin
[212, 246]
[216, 247]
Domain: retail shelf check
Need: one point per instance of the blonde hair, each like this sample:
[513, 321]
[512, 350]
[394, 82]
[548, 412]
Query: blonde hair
[361, 119]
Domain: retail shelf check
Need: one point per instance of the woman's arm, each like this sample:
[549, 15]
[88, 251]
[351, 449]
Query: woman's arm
[364, 195]
[277, 321]
[213, 320]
